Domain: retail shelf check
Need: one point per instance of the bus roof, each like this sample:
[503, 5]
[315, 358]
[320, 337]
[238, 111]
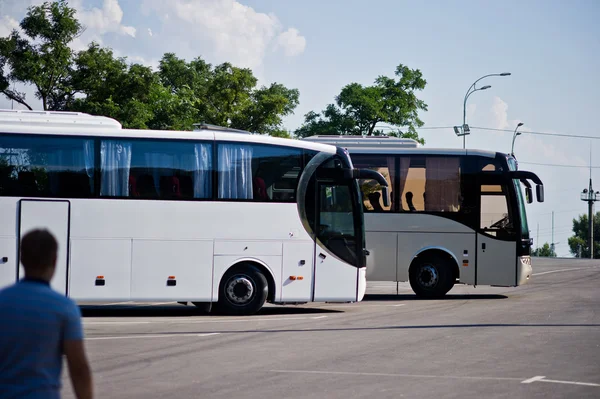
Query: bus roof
[82, 124]
[364, 141]
[391, 145]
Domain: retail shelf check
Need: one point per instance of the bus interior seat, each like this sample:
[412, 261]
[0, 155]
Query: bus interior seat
[186, 186]
[409, 197]
[169, 187]
[133, 187]
[259, 189]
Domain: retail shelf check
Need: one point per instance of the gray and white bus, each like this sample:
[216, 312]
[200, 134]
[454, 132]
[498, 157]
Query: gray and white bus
[455, 215]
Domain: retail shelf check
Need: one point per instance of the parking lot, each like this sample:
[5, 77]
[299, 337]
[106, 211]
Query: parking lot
[538, 340]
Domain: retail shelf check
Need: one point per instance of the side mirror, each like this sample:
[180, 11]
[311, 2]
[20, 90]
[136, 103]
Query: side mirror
[386, 196]
[539, 191]
[529, 195]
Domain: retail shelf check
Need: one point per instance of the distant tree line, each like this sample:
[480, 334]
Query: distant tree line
[181, 93]
[579, 242]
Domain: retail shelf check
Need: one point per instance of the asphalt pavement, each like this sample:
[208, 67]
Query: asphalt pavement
[538, 340]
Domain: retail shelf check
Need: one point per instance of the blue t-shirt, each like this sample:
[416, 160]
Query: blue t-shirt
[35, 320]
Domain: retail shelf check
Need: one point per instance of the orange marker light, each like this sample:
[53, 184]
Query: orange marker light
[300, 278]
[292, 278]
[171, 277]
[100, 277]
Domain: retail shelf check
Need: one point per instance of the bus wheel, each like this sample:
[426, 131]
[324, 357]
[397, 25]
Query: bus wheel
[431, 276]
[243, 291]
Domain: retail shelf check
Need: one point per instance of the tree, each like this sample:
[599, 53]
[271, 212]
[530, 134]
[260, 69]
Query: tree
[226, 95]
[579, 243]
[546, 251]
[42, 56]
[110, 87]
[359, 109]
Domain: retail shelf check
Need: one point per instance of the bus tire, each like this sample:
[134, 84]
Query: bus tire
[431, 276]
[243, 291]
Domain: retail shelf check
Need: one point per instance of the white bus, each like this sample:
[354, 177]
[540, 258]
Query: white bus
[455, 216]
[205, 216]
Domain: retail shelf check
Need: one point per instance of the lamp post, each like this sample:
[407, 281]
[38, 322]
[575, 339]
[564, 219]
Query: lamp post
[464, 129]
[515, 134]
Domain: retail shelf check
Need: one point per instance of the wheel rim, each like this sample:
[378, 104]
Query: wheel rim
[428, 276]
[239, 290]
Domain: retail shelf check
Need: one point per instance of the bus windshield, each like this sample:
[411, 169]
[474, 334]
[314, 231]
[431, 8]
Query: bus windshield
[512, 164]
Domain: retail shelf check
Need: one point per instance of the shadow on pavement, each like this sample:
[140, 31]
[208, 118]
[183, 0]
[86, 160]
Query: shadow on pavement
[177, 310]
[412, 297]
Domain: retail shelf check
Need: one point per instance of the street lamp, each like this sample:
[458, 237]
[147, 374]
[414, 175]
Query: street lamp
[515, 134]
[469, 92]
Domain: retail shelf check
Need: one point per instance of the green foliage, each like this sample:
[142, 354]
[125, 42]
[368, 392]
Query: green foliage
[579, 243]
[545, 251]
[358, 109]
[109, 86]
[226, 96]
[41, 56]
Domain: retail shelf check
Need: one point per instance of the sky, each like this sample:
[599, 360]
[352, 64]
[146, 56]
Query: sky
[550, 47]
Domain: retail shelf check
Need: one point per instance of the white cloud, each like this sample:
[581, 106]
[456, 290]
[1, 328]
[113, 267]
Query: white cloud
[291, 42]
[104, 20]
[7, 24]
[150, 32]
[500, 108]
[224, 30]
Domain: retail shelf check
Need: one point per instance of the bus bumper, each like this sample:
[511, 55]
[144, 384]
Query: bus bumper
[362, 284]
[524, 269]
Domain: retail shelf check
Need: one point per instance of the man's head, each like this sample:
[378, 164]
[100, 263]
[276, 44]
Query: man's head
[39, 250]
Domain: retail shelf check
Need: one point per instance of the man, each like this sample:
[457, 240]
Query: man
[38, 326]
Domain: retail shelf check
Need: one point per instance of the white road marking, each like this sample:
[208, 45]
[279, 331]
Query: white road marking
[538, 378]
[150, 336]
[395, 375]
[194, 321]
[565, 270]
[543, 379]
[533, 379]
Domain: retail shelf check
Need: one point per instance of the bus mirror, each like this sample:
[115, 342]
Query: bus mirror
[529, 195]
[539, 191]
[386, 196]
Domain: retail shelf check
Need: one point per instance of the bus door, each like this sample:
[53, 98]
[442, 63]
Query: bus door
[338, 242]
[497, 235]
[53, 216]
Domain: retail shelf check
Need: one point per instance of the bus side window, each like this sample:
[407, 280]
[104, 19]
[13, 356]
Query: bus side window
[156, 169]
[43, 166]
[258, 172]
[495, 218]
[372, 192]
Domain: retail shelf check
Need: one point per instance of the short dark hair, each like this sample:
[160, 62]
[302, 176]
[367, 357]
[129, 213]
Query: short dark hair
[38, 249]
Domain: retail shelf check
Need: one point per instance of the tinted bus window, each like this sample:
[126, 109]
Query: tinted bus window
[430, 184]
[156, 169]
[36, 166]
[258, 172]
[372, 192]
